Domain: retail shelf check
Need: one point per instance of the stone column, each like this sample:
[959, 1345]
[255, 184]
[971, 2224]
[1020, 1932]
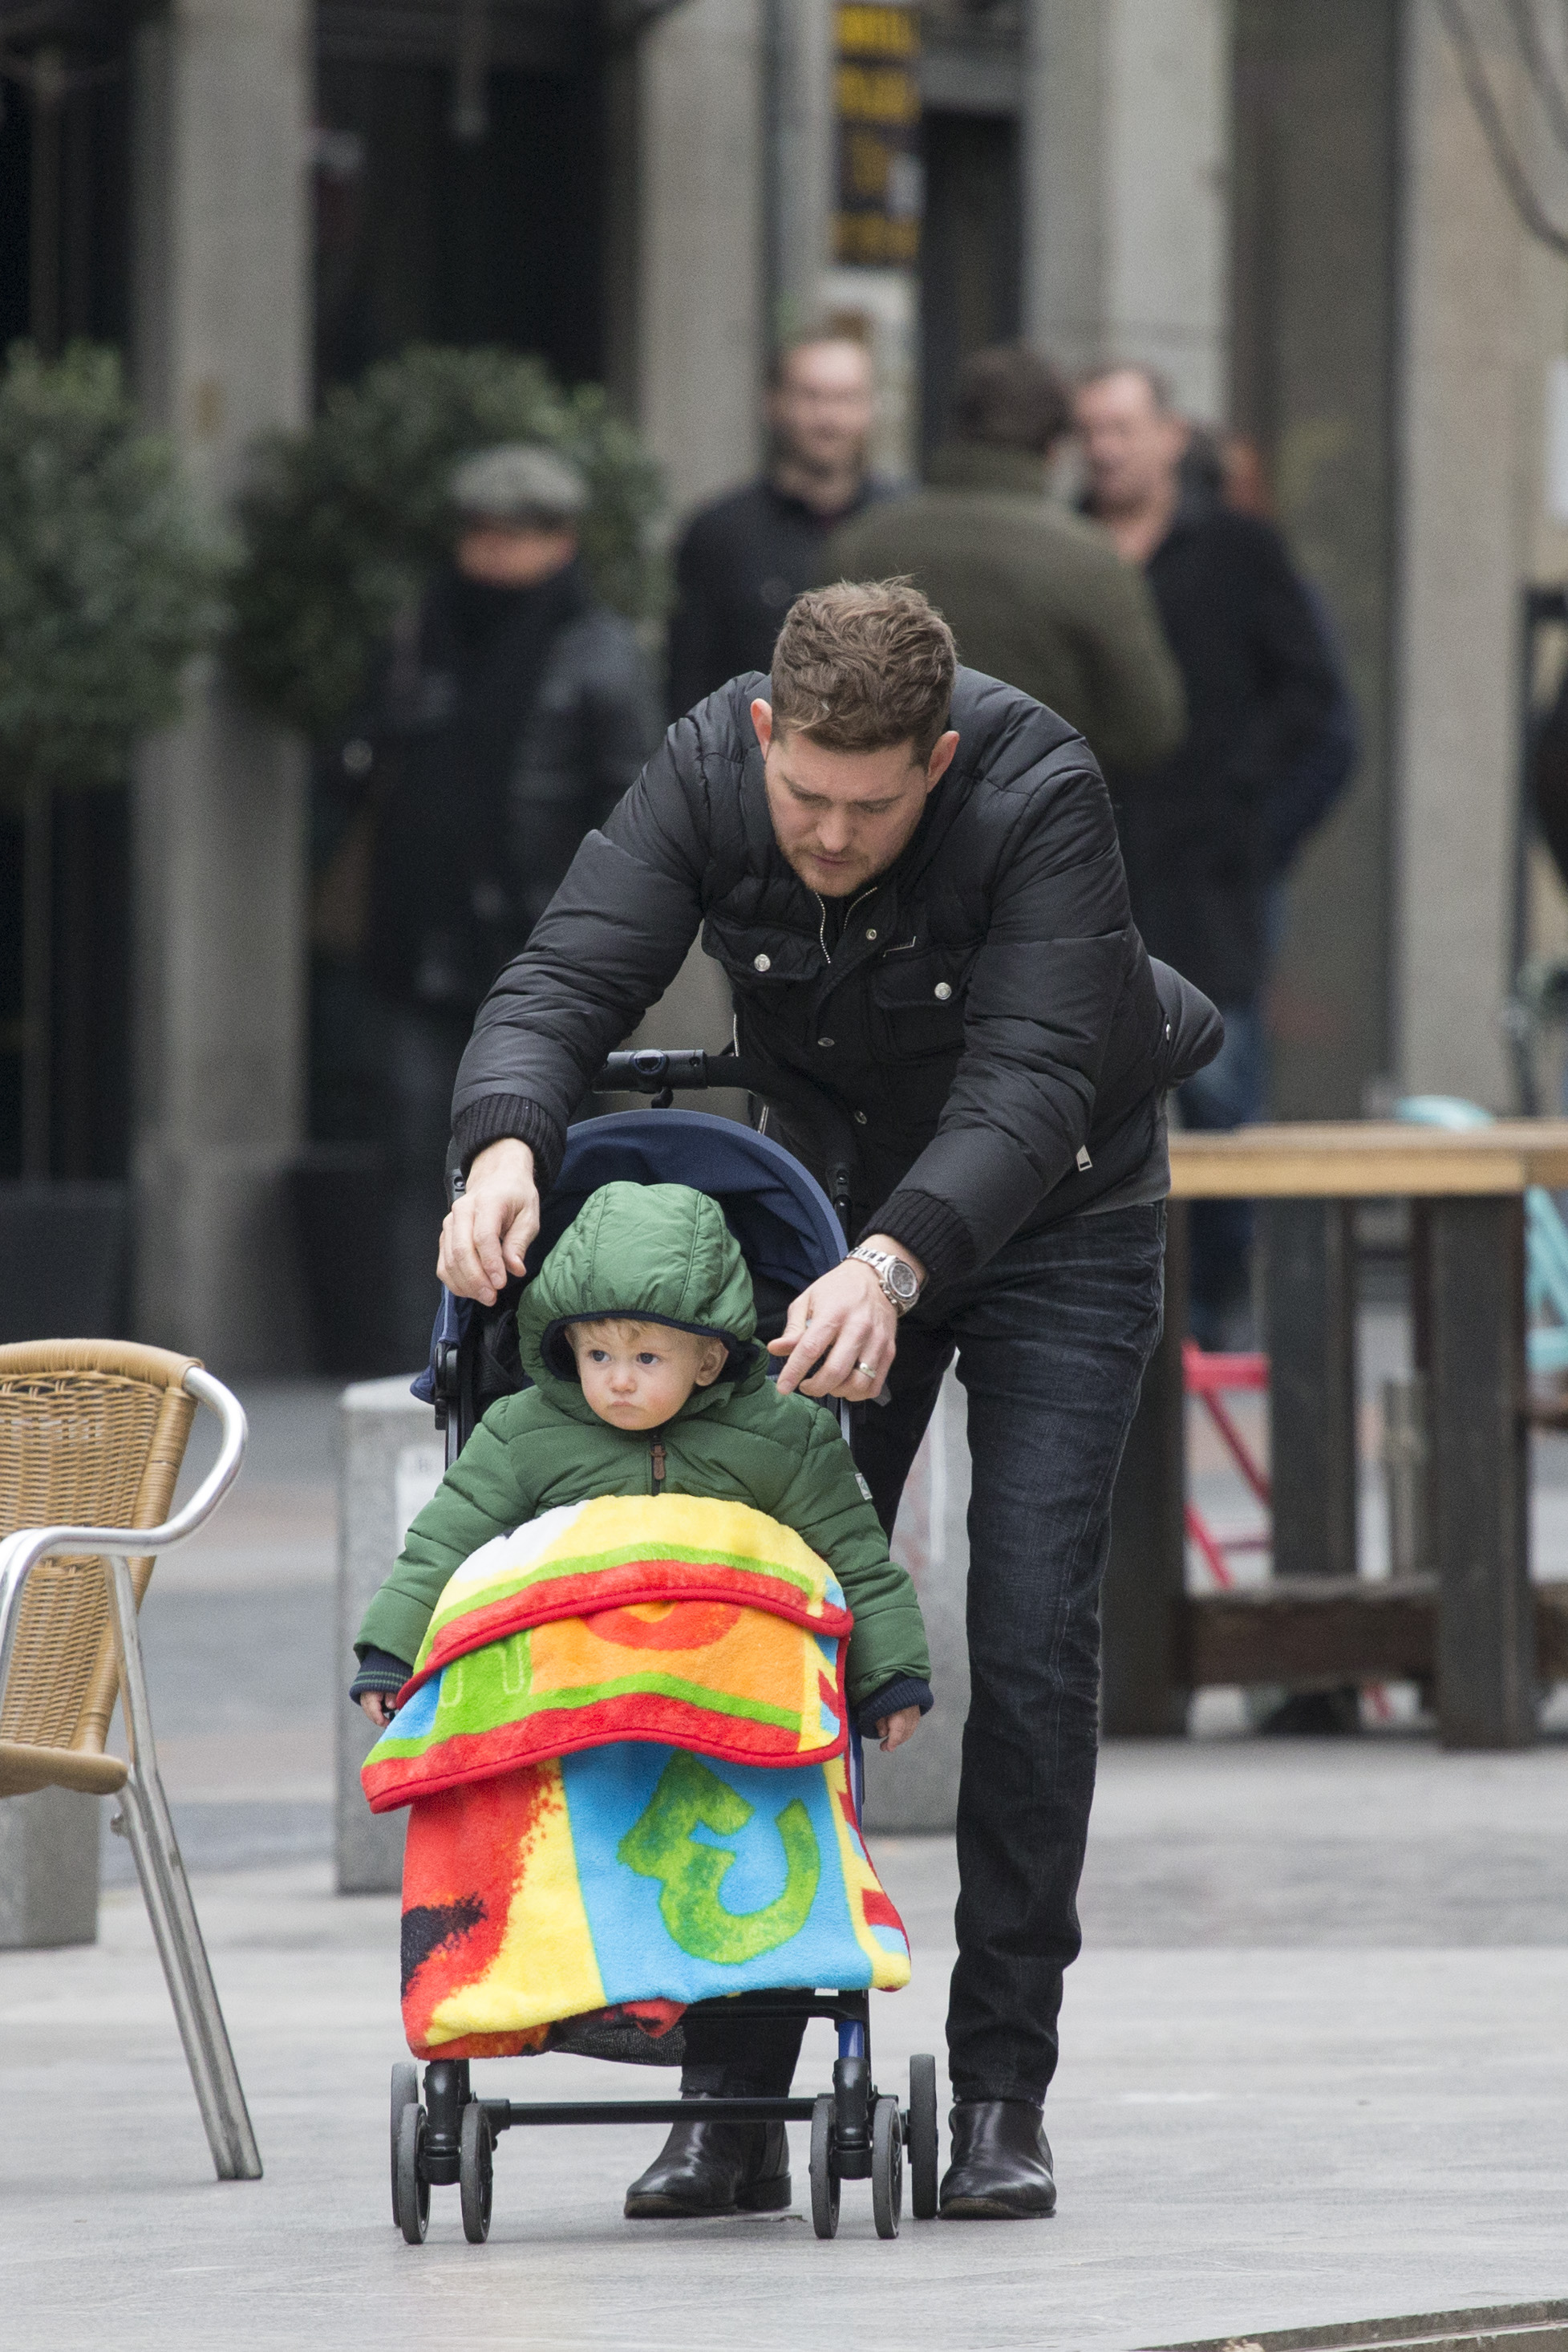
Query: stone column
[798, 106]
[701, 306]
[701, 328]
[221, 352]
[1126, 111]
[1468, 458]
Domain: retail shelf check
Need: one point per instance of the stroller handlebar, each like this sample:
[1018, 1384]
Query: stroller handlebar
[664, 1071]
[661, 1071]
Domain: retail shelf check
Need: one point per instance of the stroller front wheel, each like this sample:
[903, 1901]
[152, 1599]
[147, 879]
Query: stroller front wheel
[404, 2094]
[824, 2171]
[922, 2138]
[413, 2185]
[886, 2166]
[476, 2178]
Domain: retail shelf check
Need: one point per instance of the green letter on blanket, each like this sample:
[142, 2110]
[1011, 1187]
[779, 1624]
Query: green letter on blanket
[661, 1845]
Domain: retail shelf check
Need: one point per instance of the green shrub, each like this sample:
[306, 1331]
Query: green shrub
[108, 581]
[343, 524]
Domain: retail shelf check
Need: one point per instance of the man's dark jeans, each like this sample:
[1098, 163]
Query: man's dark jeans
[1051, 1338]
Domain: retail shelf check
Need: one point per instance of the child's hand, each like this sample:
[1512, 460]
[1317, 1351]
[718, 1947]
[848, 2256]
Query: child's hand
[378, 1705]
[893, 1730]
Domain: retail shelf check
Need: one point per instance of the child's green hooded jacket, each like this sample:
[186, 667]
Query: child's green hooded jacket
[662, 1254]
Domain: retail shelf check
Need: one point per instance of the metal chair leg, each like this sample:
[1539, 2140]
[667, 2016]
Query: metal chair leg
[197, 2011]
[176, 1928]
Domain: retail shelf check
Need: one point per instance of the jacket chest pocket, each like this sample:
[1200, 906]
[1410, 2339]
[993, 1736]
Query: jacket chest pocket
[917, 1002]
[772, 974]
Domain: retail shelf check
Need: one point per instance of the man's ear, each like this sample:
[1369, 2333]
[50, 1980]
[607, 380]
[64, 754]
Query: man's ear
[762, 720]
[941, 758]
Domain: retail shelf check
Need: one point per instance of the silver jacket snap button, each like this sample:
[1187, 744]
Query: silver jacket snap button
[944, 990]
[762, 964]
[871, 935]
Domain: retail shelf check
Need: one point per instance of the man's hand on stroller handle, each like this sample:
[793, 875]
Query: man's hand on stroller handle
[842, 1333]
[490, 1224]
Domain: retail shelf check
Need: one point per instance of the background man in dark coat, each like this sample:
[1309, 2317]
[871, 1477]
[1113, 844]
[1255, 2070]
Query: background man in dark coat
[744, 559]
[1260, 691]
[511, 723]
[911, 877]
[1034, 596]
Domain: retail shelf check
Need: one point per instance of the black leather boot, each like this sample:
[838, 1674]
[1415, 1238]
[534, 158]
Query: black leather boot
[714, 2167]
[1000, 2169]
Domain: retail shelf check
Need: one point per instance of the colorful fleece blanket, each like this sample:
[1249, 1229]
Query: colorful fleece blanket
[633, 1878]
[673, 1619]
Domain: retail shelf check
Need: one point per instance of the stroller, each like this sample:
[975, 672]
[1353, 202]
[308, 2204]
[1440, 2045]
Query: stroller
[790, 1232]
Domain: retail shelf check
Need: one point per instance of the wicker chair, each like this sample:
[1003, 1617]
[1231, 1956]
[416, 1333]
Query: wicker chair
[92, 1434]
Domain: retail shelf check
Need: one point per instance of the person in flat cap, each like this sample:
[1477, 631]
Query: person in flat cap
[516, 712]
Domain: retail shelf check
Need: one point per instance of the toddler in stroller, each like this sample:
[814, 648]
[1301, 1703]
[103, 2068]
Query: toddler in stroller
[640, 1566]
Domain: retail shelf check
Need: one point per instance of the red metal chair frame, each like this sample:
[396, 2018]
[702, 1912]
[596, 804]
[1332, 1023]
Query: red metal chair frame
[1207, 1377]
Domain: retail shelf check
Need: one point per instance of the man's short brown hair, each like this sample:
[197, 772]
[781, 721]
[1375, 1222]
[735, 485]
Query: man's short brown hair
[1008, 397]
[864, 666]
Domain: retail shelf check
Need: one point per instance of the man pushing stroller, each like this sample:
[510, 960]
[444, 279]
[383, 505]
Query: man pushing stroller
[910, 874]
[639, 1335]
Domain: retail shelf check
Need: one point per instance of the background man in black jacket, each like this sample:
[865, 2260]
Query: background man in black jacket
[744, 559]
[912, 879]
[1195, 827]
[511, 721]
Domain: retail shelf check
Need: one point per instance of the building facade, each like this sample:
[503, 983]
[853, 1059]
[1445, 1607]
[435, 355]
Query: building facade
[1297, 213]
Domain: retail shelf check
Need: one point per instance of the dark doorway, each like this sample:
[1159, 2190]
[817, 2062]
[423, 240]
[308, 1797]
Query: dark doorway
[971, 255]
[64, 179]
[422, 238]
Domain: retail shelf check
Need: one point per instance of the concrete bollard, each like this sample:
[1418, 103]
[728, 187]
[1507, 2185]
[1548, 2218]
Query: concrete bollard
[49, 1869]
[391, 1465]
[917, 1789]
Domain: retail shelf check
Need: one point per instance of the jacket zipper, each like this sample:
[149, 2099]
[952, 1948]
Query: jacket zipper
[656, 1456]
[823, 925]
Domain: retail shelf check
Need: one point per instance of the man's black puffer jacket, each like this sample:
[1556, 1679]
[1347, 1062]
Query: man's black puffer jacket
[987, 1017]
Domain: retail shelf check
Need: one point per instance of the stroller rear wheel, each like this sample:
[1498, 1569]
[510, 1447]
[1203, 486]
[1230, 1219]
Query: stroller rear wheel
[412, 2186]
[886, 2166]
[476, 2178]
[824, 2171]
[404, 2094]
[921, 2137]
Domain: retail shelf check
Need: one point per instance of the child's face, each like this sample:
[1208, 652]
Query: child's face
[639, 1375]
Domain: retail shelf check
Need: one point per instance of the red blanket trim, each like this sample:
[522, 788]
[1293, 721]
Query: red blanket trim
[558, 1731]
[623, 1588]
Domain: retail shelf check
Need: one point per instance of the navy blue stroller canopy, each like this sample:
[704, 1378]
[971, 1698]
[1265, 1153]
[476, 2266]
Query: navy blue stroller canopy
[776, 1208]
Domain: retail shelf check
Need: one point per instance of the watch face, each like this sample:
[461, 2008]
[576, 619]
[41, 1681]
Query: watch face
[902, 1281]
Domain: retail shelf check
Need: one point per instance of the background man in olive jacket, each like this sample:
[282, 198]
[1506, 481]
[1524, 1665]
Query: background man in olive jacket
[1037, 596]
[911, 876]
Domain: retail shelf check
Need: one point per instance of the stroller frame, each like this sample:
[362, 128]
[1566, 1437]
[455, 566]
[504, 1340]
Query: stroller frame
[448, 2136]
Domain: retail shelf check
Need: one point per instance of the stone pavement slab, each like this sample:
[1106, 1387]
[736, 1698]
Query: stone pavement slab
[1247, 2136]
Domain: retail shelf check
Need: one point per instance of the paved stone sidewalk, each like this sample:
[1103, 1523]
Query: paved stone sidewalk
[1260, 2121]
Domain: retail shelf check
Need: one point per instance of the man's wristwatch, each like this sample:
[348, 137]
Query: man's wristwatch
[900, 1283]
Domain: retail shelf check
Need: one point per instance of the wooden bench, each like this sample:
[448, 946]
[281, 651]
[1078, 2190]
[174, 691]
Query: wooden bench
[1475, 1627]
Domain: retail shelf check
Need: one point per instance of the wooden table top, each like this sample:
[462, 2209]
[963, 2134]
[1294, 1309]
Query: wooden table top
[1367, 1159]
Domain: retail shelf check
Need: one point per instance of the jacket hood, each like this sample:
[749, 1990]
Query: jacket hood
[660, 1253]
